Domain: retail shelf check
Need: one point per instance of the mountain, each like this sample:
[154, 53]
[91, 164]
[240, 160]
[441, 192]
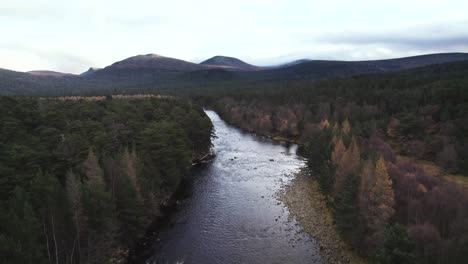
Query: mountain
[49, 73]
[146, 69]
[16, 83]
[90, 71]
[154, 73]
[156, 62]
[229, 63]
[325, 69]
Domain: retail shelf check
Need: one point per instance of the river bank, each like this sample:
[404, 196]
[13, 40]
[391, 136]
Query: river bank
[308, 206]
[167, 207]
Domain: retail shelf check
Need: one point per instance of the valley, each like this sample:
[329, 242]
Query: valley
[248, 131]
[350, 162]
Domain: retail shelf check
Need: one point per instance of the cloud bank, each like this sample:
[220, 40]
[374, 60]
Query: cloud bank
[71, 36]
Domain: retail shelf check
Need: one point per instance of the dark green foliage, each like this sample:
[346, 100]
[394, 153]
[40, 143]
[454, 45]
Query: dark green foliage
[21, 233]
[164, 153]
[69, 187]
[130, 211]
[318, 153]
[397, 247]
[346, 210]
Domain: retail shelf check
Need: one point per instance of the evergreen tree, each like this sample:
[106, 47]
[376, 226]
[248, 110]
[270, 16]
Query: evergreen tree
[346, 209]
[396, 248]
[100, 213]
[47, 193]
[318, 152]
[74, 194]
[21, 232]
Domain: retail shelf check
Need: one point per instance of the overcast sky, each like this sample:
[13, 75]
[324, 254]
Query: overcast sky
[71, 36]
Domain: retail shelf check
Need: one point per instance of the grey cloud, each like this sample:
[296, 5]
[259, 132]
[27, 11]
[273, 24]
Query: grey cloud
[413, 41]
[430, 36]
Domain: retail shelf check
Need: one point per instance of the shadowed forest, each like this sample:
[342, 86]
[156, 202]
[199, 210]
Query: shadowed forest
[83, 179]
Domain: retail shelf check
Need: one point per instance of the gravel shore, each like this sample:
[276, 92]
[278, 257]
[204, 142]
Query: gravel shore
[308, 206]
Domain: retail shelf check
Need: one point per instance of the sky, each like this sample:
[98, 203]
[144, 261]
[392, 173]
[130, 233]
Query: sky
[71, 36]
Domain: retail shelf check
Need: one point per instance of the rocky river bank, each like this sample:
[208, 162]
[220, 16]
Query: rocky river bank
[308, 206]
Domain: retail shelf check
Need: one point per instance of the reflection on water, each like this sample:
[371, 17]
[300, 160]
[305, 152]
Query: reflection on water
[232, 215]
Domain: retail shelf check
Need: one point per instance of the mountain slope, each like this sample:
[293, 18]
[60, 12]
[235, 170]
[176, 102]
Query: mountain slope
[229, 63]
[90, 71]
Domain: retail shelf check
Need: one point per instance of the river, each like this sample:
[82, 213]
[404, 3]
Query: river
[232, 215]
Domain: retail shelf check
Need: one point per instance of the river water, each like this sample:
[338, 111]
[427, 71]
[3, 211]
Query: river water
[232, 215]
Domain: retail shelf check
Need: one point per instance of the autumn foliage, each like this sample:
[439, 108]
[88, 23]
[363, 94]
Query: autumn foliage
[373, 190]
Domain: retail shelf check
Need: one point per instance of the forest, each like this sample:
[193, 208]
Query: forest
[364, 137]
[85, 176]
[82, 179]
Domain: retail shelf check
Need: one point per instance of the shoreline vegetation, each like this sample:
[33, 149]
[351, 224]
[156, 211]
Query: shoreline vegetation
[143, 249]
[308, 206]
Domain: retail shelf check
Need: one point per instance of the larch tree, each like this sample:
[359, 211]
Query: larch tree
[381, 199]
[367, 181]
[346, 127]
[349, 163]
[338, 152]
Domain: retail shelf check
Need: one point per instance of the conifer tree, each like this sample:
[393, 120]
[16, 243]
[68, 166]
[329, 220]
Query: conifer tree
[345, 127]
[338, 151]
[349, 164]
[366, 183]
[381, 199]
[100, 212]
[74, 194]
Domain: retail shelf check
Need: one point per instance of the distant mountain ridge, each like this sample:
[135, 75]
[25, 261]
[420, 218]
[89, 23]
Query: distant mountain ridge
[155, 71]
[325, 69]
[229, 63]
[49, 73]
